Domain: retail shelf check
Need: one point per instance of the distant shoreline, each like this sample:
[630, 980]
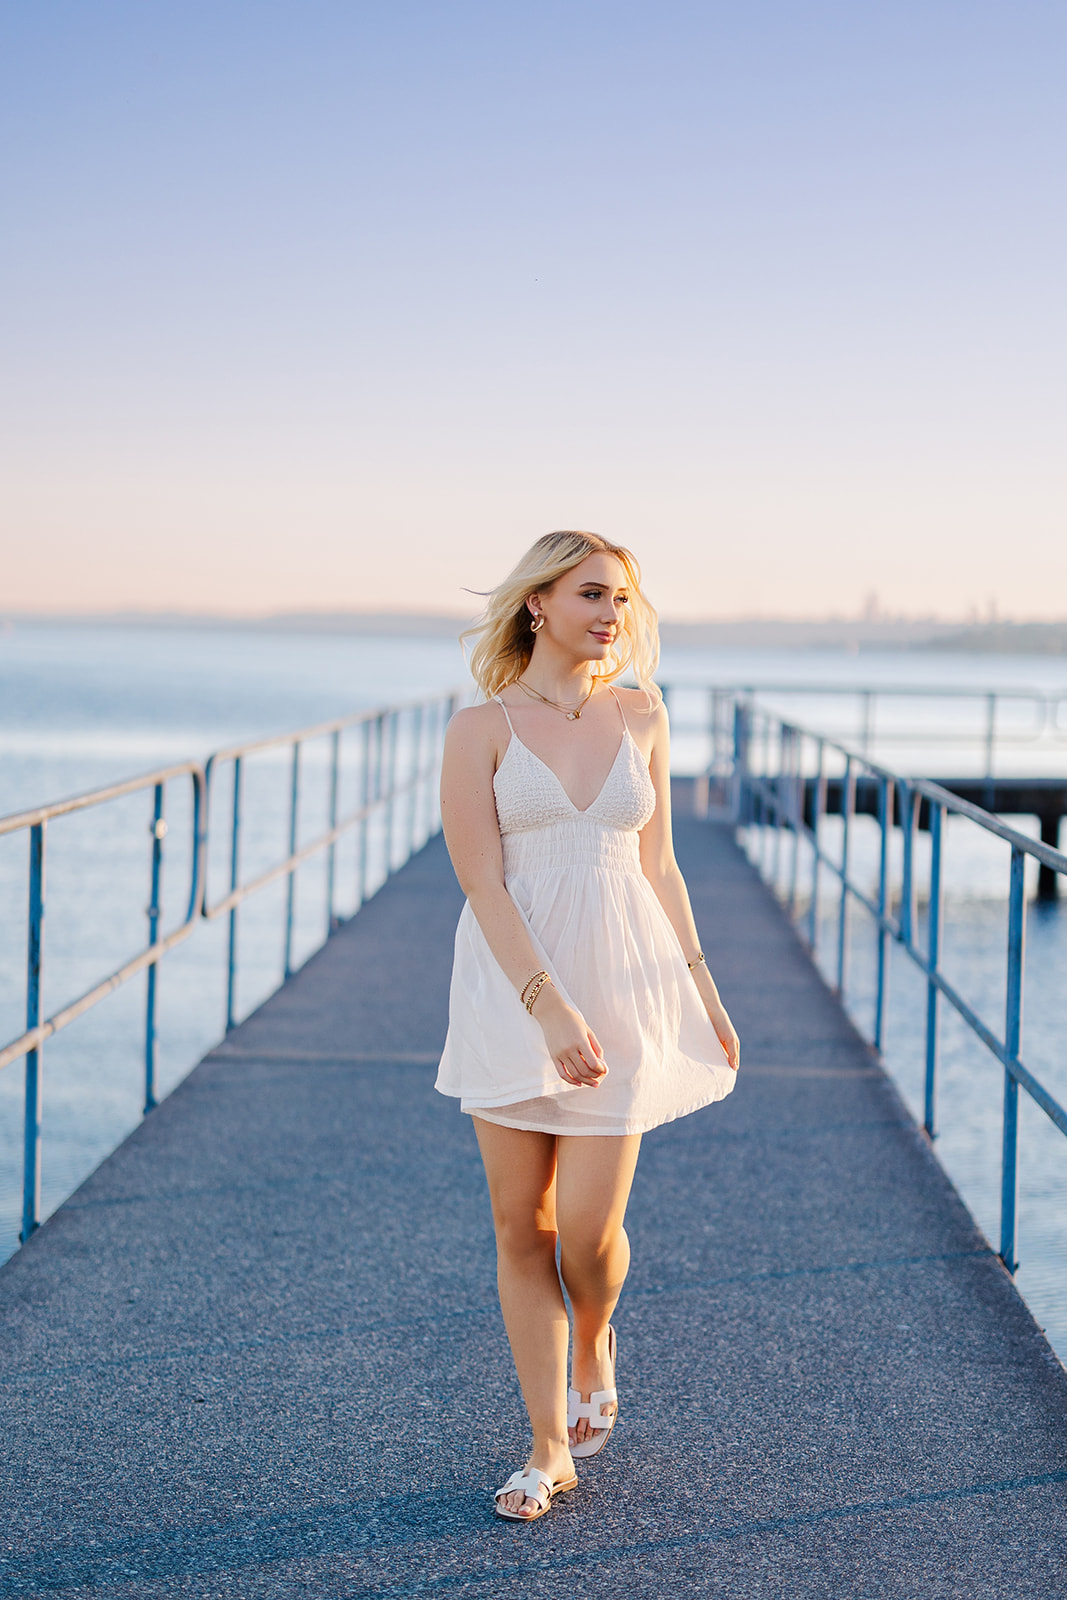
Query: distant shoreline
[987, 638]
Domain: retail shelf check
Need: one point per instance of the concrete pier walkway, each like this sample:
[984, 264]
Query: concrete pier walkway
[258, 1353]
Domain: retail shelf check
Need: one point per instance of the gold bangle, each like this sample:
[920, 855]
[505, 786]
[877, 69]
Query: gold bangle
[699, 959]
[541, 980]
[530, 984]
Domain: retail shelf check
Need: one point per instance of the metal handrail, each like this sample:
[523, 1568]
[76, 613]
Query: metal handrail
[381, 791]
[384, 788]
[1047, 726]
[29, 1043]
[773, 799]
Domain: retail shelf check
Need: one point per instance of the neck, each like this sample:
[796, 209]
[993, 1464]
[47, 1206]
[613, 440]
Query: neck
[559, 679]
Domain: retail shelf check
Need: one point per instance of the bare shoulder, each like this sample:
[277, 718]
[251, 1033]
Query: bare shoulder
[647, 710]
[477, 728]
[476, 719]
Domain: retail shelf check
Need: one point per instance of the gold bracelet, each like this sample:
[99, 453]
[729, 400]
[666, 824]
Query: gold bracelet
[531, 983]
[699, 959]
[539, 983]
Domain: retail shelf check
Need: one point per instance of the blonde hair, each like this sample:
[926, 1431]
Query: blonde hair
[504, 640]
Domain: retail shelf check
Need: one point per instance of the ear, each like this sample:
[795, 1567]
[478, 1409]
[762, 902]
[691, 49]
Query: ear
[533, 603]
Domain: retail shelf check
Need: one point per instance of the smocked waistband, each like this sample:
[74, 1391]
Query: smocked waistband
[577, 843]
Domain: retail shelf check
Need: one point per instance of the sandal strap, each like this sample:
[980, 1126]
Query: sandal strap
[534, 1484]
[592, 1409]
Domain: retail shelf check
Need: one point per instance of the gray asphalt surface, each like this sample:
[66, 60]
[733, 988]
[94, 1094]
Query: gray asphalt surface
[258, 1353]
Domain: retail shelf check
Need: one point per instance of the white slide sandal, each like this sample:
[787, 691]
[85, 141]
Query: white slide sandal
[593, 1409]
[535, 1485]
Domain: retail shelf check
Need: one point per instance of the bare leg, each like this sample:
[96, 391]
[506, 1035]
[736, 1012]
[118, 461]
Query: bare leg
[593, 1182]
[521, 1169]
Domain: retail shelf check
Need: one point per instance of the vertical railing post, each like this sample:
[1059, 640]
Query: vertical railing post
[740, 779]
[290, 892]
[764, 790]
[377, 783]
[1013, 1032]
[366, 743]
[31, 1152]
[393, 740]
[848, 801]
[235, 878]
[818, 806]
[796, 812]
[933, 954]
[331, 854]
[414, 834]
[885, 821]
[158, 830]
[910, 806]
[779, 797]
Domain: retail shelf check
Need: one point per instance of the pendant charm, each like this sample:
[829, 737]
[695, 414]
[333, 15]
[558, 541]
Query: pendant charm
[574, 716]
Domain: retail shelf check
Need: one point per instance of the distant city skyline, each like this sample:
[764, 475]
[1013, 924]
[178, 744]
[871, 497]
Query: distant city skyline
[338, 308]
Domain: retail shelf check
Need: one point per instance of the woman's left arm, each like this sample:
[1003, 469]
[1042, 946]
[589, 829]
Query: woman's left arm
[662, 871]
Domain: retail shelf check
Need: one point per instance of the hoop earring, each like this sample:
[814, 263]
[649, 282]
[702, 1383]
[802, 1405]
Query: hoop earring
[538, 622]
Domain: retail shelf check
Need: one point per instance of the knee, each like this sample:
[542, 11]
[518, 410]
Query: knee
[524, 1238]
[590, 1246]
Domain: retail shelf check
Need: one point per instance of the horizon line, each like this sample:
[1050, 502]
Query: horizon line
[384, 614]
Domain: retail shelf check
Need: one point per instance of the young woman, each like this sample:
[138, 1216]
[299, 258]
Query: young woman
[582, 1009]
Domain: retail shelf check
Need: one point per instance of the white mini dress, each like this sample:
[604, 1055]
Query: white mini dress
[600, 932]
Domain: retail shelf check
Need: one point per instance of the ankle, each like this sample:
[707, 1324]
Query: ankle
[594, 1347]
[548, 1449]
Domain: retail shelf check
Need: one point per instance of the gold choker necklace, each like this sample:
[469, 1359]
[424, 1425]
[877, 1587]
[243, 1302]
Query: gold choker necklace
[572, 713]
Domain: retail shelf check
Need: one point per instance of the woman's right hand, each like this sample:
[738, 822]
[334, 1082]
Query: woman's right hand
[572, 1044]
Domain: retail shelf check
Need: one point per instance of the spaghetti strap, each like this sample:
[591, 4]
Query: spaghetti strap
[622, 713]
[504, 709]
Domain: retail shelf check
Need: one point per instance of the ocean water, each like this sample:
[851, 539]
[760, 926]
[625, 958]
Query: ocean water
[83, 706]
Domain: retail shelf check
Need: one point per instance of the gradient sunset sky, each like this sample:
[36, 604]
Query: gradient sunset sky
[339, 305]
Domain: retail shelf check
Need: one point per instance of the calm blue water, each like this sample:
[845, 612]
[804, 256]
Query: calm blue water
[85, 706]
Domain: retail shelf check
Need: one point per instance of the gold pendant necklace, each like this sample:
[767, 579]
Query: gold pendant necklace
[572, 713]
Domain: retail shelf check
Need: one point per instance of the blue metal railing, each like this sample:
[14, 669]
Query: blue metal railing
[982, 723]
[777, 787]
[388, 738]
[28, 1044]
[397, 761]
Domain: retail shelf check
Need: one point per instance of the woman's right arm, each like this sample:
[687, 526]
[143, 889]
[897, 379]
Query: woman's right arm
[472, 833]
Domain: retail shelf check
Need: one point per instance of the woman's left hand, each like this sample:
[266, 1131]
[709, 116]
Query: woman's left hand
[726, 1033]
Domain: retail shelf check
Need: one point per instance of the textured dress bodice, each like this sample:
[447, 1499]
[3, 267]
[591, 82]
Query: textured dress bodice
[541, 828]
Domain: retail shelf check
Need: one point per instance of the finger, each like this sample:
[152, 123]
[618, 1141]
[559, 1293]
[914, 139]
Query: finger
[595, 1042]
[586, 1072]
[594, 1057]
[595, 1064]
[580, 1071]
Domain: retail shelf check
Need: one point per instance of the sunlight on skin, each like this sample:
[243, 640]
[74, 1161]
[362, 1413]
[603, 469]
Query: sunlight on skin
[545, 1187]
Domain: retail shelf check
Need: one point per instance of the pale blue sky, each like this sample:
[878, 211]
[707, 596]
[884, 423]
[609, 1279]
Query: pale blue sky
[324, 304]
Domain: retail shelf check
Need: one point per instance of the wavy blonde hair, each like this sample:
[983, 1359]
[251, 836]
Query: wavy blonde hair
[504, 643]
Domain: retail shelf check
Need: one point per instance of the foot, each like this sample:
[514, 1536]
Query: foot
[556, 1462]
[592, 1370]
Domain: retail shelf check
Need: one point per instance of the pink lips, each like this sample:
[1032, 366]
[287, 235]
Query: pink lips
[605, 638]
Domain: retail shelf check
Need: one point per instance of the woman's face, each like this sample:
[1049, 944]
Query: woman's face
[583, 610]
